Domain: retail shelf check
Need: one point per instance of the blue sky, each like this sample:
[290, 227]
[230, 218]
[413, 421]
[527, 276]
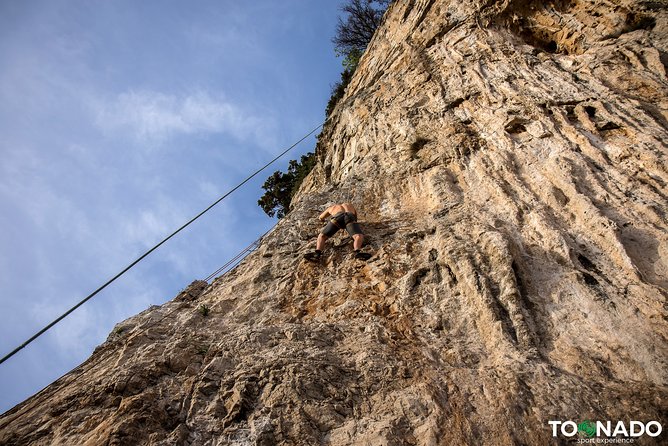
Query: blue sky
[119, 121]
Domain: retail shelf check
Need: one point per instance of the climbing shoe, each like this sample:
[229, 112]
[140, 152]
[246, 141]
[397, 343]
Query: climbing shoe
[313, 256]
[362, 255]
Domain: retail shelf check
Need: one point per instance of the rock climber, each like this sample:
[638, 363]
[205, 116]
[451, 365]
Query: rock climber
[341, 216]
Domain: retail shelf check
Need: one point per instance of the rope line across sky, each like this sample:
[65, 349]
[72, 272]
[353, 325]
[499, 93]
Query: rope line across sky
[139, 259]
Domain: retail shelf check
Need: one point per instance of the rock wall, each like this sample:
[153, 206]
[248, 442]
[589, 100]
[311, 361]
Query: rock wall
[508, 159]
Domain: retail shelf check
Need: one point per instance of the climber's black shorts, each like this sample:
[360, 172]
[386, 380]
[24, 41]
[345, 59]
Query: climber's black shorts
[342, 220]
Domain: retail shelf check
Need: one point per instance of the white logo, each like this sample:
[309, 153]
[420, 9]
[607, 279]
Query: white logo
[619, 433]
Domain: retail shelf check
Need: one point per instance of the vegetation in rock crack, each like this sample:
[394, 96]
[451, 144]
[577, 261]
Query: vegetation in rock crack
[202, 349]
[204, 310]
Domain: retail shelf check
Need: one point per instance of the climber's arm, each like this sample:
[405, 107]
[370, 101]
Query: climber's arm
[325, 214]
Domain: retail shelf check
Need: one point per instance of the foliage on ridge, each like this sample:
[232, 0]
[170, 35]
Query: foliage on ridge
[350, 41]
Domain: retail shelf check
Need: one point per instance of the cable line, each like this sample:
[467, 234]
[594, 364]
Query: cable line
[87, 298]
[234, 261]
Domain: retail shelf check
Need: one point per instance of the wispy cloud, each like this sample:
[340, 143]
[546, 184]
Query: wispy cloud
[154, 117]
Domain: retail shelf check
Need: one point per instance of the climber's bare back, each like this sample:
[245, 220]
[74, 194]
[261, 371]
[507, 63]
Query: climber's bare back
[343, 207]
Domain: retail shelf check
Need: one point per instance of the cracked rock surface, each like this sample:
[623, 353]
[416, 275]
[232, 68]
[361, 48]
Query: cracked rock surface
[508, 161]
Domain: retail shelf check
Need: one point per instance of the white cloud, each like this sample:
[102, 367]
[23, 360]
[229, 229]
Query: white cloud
[146, 228]
[154, 117]
[209, 189]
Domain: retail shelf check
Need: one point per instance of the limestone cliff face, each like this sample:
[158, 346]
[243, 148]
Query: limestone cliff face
[508, 159]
